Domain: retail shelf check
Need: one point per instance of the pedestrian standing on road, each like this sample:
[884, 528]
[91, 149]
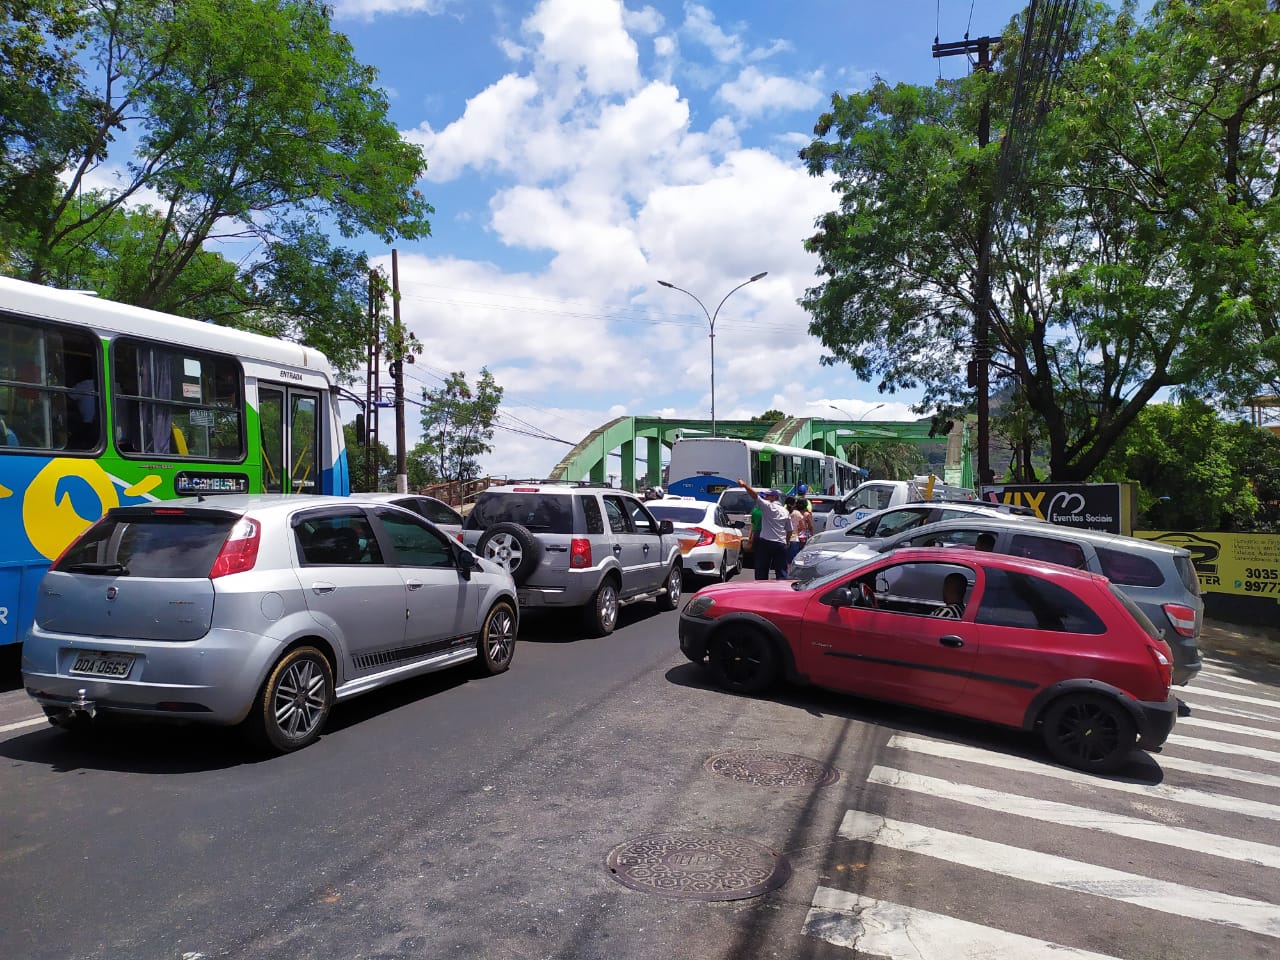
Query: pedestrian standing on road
[770, 549]
[798, 534]
[806, 508]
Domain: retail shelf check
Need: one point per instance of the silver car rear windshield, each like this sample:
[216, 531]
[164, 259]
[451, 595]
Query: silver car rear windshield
[172, 546]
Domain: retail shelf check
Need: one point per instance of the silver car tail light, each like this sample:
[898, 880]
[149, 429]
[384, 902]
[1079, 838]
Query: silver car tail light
[240, 550]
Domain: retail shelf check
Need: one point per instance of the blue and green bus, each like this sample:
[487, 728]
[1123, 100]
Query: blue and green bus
[104, 404]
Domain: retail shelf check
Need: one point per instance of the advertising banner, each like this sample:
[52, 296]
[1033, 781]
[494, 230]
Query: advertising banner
[1091, 506]
[1235, 564]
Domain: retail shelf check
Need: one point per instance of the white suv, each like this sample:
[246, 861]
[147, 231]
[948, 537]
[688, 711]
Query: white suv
[575, 545]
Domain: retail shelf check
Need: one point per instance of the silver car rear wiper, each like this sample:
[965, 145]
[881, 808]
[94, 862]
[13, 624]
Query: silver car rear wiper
[117, 569]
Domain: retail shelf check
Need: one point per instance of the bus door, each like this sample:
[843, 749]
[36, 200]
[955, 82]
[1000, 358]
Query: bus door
[290, 423]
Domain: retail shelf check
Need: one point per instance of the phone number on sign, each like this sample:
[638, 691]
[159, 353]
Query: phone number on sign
[1259, 586]
[1262, 573]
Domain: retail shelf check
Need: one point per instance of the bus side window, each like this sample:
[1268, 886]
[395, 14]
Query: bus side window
[45, 373]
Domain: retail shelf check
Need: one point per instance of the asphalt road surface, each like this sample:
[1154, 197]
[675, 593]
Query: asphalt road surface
[475, 818]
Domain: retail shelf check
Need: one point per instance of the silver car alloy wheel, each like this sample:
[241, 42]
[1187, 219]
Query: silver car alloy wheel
[299, 704]
[500, 636]
[504, 550]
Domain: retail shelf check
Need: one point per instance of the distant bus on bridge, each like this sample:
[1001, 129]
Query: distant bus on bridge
[704, 467]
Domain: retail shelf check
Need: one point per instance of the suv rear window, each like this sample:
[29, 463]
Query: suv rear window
[165, 546]
[539, 512]
[737, 501]
[1128, 568]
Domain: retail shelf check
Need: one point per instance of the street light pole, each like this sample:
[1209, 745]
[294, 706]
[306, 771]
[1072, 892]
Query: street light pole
[711, 323]
[855, 420]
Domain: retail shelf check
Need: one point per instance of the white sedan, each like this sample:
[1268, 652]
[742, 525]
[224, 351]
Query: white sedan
[710, 545]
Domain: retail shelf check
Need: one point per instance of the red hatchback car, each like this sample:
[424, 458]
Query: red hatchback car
[1003, 639]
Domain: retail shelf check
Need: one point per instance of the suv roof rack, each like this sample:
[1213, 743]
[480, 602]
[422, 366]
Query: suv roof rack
[553, 482]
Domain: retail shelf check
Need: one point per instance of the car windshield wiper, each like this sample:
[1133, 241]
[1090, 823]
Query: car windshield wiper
[119, 569]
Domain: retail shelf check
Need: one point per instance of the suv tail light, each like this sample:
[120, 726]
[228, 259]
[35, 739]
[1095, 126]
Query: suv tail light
[240, 550]
[579, 553]
[1182, 617]
[1164, 664]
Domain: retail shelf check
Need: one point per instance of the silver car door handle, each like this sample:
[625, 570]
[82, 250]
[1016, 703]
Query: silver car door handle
[617, 548]
[320, 587]
[646, 548]
[414, 584]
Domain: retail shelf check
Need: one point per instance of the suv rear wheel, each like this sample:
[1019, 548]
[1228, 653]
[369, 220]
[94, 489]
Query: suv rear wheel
[601, 614]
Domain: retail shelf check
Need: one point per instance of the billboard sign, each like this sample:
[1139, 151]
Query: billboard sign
[1090, 506]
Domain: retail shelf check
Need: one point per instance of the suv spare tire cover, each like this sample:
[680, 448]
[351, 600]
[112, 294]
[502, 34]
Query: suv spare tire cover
[530, 547]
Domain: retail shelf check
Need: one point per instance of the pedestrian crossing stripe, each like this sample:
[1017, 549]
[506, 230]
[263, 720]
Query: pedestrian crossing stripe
[880, 928]
[1062, 873]
[1206, 673]
[1200, 798]
[1202, 708]
[1215, 746]
[1229, 728]
[1213, 770]
[1196, 692]
[1066, 814]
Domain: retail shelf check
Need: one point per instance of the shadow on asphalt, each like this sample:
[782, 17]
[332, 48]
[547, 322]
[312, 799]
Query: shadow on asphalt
[892, 718]
[129, 745]
[566, 626]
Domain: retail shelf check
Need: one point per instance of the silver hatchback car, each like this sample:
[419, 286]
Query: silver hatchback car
[261, 609]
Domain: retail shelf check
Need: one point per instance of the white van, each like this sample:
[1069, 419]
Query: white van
[881, 494]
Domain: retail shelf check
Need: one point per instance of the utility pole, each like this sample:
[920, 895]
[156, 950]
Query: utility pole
[397, 372]
[980, 377]
[369, 433]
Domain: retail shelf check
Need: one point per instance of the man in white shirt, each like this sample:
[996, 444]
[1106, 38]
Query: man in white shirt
[770, 548]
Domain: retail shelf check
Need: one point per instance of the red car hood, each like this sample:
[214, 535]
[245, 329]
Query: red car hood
[758, 596]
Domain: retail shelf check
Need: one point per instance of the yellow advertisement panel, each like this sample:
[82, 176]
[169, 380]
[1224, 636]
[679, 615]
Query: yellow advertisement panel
[1244, 564]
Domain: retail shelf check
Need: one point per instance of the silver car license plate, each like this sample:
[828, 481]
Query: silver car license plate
[96, 664]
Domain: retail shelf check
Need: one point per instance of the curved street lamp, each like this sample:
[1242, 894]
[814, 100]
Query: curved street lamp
[711, 322]
[855, 420]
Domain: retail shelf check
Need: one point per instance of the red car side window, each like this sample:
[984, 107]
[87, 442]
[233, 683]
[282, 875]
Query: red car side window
[1021, 600]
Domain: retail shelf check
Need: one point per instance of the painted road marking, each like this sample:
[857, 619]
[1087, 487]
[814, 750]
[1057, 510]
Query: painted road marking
[1064, 874]
[1052, 811]
[1230, 712]
[1223, 675]
[18, 725]
[1236, 749]
[1237, 728]
[885, 929]
[1192, 695]
[1213, 770]
[1200, 798]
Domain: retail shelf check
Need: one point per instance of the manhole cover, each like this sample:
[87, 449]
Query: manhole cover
[772, 769]
[698, 866]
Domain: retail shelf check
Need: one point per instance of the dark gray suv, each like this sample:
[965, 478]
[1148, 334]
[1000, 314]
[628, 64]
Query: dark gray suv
[579, 546]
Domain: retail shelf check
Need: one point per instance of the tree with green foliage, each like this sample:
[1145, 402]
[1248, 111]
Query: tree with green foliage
[457, 424]
[1196, 471]
[252, 122]
[367, 477]
[890, 459]
[1136, 252]
[769, 416]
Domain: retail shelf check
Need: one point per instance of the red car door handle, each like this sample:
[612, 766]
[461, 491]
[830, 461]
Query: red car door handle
[951, 641]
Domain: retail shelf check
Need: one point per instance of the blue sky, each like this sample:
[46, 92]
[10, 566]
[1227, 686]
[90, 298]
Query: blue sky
[581, 150]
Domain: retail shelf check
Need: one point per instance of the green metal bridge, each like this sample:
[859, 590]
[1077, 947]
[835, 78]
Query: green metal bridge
[589, 460]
